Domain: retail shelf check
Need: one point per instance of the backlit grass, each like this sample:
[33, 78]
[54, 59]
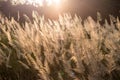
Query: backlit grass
[66, 49]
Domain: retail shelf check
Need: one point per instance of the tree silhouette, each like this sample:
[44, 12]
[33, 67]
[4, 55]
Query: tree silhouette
[83, 8]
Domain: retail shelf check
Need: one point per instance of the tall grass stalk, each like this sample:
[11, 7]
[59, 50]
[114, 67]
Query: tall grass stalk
[64, 49]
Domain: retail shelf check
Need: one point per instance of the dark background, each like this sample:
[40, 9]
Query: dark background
[82, 8]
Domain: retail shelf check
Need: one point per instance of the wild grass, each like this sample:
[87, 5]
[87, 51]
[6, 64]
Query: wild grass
[65, 49]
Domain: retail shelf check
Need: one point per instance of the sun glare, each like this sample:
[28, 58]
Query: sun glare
[57, 1]
[40, 2]
[49, 2]
[35, 2]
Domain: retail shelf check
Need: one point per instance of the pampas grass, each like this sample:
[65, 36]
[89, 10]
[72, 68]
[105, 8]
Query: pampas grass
[64, 49]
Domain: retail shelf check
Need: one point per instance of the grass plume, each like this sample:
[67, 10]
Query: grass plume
[64, 49]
